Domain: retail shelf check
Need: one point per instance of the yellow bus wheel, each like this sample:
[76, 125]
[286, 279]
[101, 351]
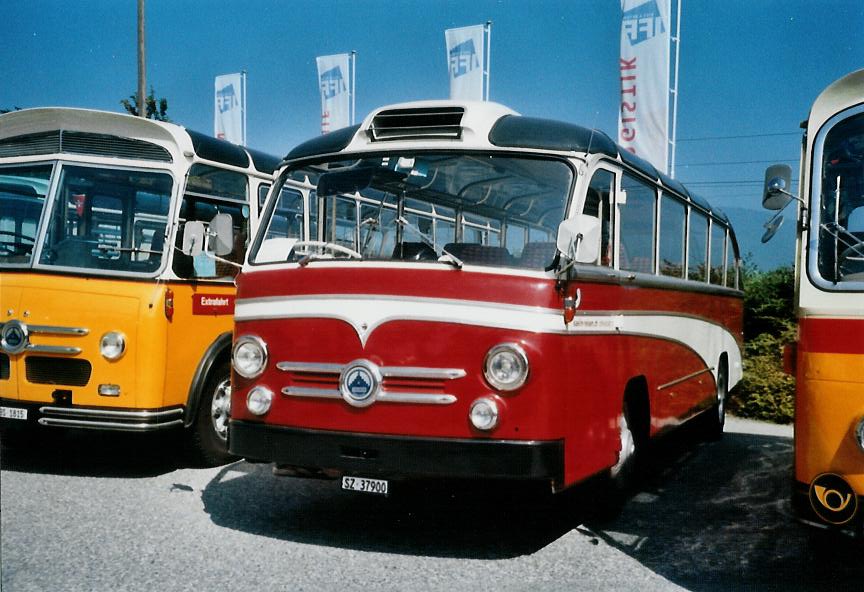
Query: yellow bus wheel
[208, 435]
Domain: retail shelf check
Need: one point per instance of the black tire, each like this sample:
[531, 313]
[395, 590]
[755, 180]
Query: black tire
[715, 417]
[623, 474]
[208, 434]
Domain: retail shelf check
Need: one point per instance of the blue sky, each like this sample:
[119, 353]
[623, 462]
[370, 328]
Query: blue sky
[749, 68]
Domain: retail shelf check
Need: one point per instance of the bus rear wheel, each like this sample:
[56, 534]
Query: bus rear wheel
[208, 435]
[715, 417]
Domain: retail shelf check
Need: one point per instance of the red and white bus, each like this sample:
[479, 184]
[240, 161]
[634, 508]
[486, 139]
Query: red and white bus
[829, 353]
[451, 290]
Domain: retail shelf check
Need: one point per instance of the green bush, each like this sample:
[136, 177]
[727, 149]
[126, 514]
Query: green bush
[766, 392]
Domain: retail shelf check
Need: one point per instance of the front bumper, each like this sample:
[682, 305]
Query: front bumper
[99, 418]
[397, 457]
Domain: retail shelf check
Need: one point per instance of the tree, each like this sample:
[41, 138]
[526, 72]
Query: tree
[2, 111]
[156, 109]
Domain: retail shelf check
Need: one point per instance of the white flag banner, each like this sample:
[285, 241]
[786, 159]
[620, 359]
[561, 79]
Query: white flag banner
[334, 82]
[643, 122]
[466, 60]
[229, 122]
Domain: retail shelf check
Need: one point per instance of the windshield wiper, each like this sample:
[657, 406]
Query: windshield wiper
[324, 245]
[446, 256]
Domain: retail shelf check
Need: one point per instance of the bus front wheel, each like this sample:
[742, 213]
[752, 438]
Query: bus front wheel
[208, 435]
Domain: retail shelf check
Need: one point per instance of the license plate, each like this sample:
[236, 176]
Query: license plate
[13, 413]
[364, 485]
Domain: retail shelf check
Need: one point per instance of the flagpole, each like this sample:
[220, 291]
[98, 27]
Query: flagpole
[488, 57]
[353, 85]
[673, 143]
[243, 106]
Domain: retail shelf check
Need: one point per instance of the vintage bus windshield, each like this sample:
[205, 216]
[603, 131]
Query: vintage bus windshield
[476, 208]
[22, 198]
[841, 207]
[108, 219]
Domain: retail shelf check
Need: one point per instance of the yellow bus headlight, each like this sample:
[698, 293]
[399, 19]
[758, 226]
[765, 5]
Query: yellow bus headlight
[112, 346]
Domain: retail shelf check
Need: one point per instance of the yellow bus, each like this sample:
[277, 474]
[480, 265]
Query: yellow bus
[105, 323]
[828, 357]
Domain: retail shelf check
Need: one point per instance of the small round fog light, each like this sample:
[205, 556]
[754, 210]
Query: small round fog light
[258, 400]
[859, 434]
[112, 345]
[484, 413]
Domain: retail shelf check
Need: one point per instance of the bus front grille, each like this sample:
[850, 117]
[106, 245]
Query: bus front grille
[61, 371]
[4, 367]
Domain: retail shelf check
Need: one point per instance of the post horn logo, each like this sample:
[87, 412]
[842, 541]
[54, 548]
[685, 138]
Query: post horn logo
[833, 499]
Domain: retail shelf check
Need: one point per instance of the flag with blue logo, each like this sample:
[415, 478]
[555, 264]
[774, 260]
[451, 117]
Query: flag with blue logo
[643, 121]
[334, 85]
[466, 62]
[230, 109]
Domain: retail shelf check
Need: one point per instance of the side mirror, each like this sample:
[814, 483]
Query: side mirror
[778, 180]
[193, 238]
[221, 235]
[579, 238]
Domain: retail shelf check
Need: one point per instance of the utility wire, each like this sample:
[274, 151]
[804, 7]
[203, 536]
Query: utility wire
[738, 137]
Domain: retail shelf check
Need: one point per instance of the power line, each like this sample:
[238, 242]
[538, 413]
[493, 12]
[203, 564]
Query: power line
[731, 162]
[739, 137]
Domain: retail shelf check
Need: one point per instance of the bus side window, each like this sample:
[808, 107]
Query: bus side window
[718, 245]
[697, 251]
[637, 226]
[598, 204]
[673, 218]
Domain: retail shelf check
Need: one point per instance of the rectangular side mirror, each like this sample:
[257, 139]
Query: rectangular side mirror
[221, 233]
[778, 181]
[579, 238]
[193, 238]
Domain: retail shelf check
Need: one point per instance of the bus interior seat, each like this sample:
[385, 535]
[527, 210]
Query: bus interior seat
[410, 251]
[480, 254]
[537, 255]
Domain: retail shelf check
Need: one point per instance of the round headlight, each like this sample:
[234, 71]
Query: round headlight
[506, 367]
[484, 413]
[112, 345]
[859, 434]
[249, 357]
[258, 400]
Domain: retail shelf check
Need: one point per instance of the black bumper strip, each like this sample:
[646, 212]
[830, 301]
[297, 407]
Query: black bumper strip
[398, 456]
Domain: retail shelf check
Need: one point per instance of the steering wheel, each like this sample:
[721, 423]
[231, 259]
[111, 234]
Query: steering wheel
[18, 244]
[18, 235]
[329, 246]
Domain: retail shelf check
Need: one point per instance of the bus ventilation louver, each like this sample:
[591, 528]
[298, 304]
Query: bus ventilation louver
[82, 143]
[417, 124]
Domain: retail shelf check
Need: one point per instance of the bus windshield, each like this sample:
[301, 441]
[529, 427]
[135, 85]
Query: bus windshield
[475, 208]
[108, 219]
[841, 208]
[22, 197]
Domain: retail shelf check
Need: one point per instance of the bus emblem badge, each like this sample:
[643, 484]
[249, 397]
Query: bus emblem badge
[14, 338]
[833, 499]
[359, 383]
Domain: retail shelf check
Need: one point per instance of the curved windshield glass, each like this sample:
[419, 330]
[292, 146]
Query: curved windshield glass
[840, 251]
[453, 208]
[22, 198]
[108, 219]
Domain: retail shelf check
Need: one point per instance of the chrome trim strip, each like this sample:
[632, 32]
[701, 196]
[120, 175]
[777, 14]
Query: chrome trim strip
[55, 330]
[53, 349]
[385, 396]
[420, 372]
[310, 367]
[419, 398]
[108, 425]
[386, 371]
[292, 391]
[684, 378]
[110, 413]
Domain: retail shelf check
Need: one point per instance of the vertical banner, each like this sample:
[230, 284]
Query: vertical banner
[230, 111]
[643, 123]
[467, 62]
[334, 83]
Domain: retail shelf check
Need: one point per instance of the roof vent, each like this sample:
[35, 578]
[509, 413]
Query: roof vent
[417, 123]
[82, 143]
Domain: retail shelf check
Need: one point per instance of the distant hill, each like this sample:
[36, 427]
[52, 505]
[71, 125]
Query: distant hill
[748, 225]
